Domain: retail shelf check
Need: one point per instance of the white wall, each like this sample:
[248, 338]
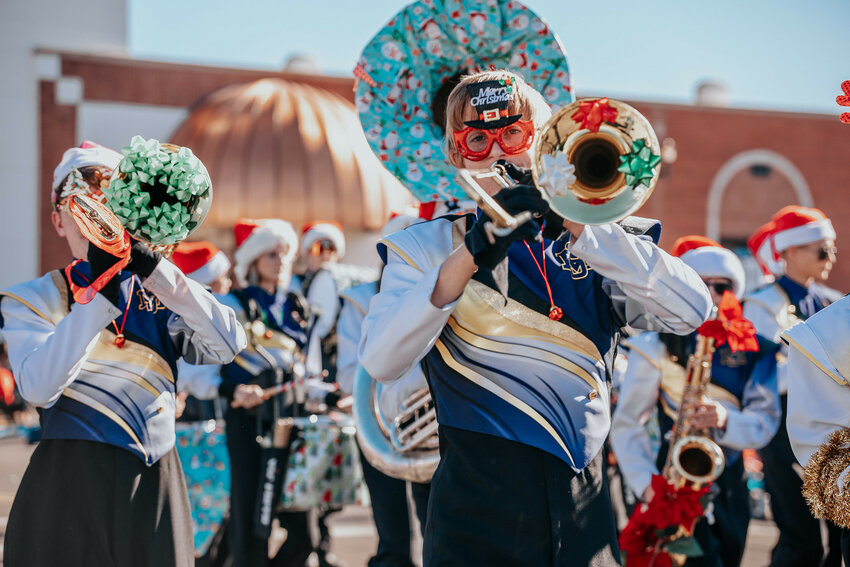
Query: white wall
[92, 26]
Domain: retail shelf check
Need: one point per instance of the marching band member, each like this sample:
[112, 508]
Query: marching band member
[323, 243]
[105, 486]
[388, 495]
[797, 246]
[203, 262]
[519, 376]
[818, 376]
[263, 262]
[742, 406]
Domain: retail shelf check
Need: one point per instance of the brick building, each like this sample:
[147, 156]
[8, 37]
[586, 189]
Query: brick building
[726, 170]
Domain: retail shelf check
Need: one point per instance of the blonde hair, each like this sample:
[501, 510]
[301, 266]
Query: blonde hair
[526, 101]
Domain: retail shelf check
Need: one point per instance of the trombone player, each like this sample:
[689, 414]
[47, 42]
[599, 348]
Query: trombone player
[516, 334]
[741, 408]
[105, 485]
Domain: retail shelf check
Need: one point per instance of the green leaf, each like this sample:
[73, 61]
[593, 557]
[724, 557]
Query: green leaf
[687, 546]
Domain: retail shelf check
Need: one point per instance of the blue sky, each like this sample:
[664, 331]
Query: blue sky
[781, 54]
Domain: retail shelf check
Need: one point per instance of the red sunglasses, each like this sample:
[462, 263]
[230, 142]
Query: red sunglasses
[475, 144]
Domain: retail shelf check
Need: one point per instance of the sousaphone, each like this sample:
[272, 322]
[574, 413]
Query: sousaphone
[404, 76]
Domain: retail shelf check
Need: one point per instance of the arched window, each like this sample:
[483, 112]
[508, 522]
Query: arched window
[745, 193]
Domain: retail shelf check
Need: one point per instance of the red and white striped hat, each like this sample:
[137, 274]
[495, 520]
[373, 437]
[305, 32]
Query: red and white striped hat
[201, 261]
[710, 260]
[790, 226]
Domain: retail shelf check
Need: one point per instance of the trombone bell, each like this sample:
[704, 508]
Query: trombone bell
[615, 154]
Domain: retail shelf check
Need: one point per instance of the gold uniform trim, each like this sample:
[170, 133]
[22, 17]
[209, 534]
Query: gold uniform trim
[131, 353]
[100, 408]
[353, 302]
[633, 348]
[401, 253]
[534, 353]
[483, 308]
[490, 386]
[839, 379]
[673, 378]
[95, 368]
[32, 307]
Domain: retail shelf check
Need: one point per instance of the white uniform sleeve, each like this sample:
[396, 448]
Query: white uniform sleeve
[348, 336]
[757, 421]
[204, 330]
[651, 289]
[199, 380]
[817, 404]
[629, 436]
[47, 358]
[402, 324]
[323, 295]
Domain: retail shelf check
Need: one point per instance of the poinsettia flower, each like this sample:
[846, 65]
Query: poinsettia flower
[731, 326]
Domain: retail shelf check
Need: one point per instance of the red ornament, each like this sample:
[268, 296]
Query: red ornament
[593, 113]
[556, 313]
[120, 340]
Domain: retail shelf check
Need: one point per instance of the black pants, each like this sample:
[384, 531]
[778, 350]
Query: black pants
[498, 502]
[392, 516]
[723, 542]
[246, 548]
[799, 532]
[83, 503]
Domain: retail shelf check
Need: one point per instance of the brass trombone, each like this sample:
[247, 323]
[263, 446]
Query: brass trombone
[591, 171]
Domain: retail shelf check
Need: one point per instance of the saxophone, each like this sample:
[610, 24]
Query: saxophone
[694, 458]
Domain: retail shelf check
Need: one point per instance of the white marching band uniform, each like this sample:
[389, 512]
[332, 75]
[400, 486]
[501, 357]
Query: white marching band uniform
[651, 376]
[509, 381]
[819, 410]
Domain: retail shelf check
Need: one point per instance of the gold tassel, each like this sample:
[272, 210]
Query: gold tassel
[821, 478]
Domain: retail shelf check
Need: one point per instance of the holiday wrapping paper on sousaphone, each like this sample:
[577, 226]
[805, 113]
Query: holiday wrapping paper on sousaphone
[404, 65]
[206, 464]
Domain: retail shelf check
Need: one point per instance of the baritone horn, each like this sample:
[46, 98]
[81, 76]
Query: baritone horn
[595, 161]
[405, 446]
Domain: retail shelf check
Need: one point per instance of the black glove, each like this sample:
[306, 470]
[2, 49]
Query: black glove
[99, 262]
[521, 175]
[143, 260]
[554, 225]
[514, 200]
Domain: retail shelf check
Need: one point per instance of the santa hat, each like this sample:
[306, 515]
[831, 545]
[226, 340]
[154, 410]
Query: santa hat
[254, 237]
[710, 260]
[400, 221]
[201, 261]
[88, 154]
[323, 230]
[790, 226]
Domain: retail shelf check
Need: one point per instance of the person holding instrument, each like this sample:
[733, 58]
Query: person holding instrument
[797, 247]
[279, 327]
[516, 334]
[740, 409]
[105, 486]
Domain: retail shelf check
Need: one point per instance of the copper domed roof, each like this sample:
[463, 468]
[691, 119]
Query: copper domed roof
[278, 148]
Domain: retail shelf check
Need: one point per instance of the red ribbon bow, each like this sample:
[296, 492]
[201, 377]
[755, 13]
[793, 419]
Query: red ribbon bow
[844, 100]
[731, 326]
[593, 113]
